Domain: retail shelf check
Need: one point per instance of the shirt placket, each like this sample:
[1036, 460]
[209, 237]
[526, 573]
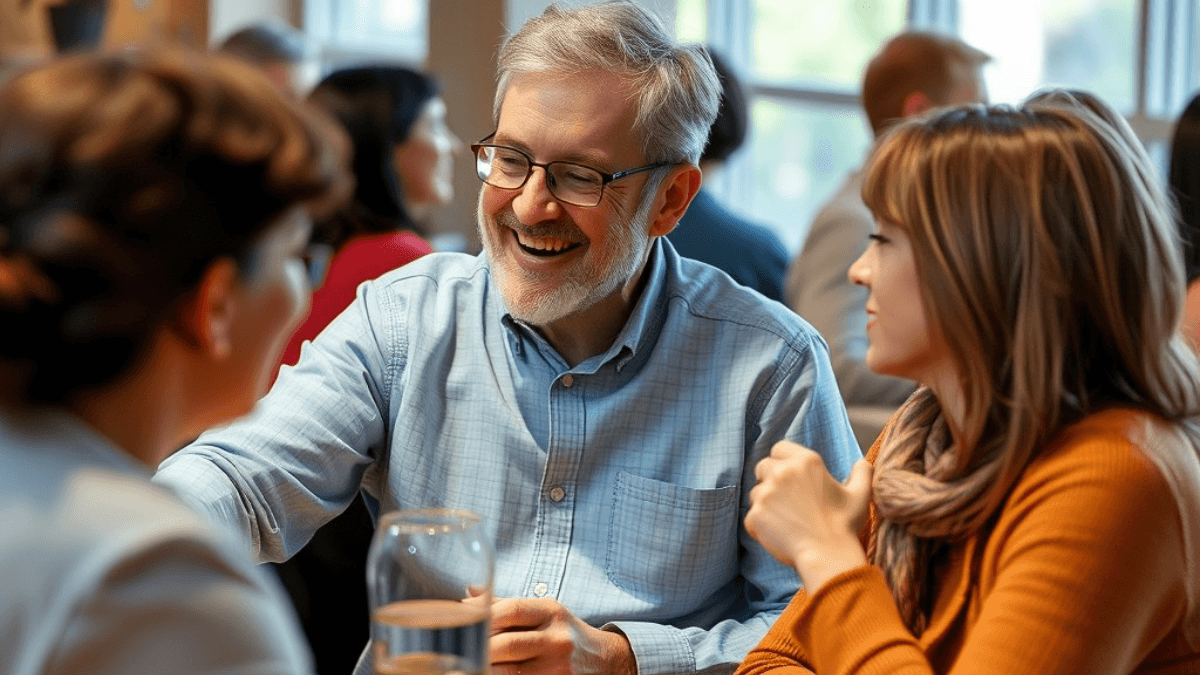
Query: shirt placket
[557, 496]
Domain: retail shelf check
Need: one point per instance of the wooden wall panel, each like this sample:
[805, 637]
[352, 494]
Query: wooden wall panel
[25, 29]
[463, 41]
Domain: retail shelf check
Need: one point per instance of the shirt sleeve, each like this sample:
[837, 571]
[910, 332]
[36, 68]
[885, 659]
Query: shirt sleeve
[1086, 577]
[298, 459]
[176, 607]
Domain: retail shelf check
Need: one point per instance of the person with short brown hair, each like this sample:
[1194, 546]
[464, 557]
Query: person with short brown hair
[155, 211]
[916, 71]
[286, 55]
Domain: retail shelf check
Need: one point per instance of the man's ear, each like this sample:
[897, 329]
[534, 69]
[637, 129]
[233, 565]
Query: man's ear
[206, 319]
[916, 103]
[681, 187]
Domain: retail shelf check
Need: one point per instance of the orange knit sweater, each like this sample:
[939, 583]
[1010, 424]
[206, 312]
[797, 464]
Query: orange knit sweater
[1084, 572]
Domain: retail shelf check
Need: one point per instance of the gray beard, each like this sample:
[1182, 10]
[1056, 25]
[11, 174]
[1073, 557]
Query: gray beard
[586, 284]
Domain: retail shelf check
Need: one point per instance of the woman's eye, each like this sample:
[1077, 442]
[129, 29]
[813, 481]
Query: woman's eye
[877, 238]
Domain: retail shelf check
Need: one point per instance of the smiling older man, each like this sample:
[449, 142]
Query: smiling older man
[599, 400]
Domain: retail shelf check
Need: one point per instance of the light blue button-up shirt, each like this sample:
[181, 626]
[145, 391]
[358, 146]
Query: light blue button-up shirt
[616, 487]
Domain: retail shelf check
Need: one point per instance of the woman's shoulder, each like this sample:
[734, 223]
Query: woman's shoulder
[91, 549]
[1119, 457]
[1117, 441]
[86, 512]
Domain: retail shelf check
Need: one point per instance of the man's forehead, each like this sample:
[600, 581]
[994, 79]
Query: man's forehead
[590, 113]
[613, 91]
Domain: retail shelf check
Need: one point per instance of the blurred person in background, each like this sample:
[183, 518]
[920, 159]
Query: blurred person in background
[284, 54]
[1185, 184]
[154, 220]
[1035, 505]
[750, 253]
[912, 73]
[403, 163]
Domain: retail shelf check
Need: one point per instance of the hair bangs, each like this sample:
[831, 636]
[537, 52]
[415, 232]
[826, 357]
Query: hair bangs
[891, 175]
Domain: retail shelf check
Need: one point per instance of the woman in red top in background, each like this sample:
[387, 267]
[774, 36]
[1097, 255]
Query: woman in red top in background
[404, 166]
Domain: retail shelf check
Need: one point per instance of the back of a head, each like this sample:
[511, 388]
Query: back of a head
[284, 54]
[267, 42]
[1034, 222]
[378, 106]
[1080, 98]
[915, 62]
[729, 129]
[122, 178]
[677, 90]
[1185, 182]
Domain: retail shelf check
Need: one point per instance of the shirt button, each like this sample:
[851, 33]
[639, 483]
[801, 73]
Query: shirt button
[541, 590]
[557, 494]
[568, 380]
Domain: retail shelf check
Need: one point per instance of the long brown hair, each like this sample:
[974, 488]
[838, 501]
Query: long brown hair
[1051, 269]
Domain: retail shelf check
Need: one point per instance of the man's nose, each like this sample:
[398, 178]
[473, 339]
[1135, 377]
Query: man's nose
[535, 203]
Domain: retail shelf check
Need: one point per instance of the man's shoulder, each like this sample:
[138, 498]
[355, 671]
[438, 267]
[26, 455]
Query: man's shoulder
[439, 272]
[706, 293]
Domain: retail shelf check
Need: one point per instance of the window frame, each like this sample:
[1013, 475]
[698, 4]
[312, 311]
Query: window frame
[1166, 69]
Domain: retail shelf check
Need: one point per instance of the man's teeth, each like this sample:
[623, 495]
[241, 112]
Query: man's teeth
[549, 245]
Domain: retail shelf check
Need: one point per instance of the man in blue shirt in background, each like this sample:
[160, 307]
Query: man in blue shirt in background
[709, 232]
[599, 400]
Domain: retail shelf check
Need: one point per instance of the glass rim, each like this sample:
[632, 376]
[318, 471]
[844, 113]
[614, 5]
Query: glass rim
[421, 519]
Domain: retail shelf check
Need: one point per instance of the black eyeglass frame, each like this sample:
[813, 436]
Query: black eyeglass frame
[316, 259]
[605, 178]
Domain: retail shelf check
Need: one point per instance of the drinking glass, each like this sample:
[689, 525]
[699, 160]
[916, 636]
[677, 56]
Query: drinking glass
[429, 581]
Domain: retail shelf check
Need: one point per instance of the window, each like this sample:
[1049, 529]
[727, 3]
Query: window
[801, 63]
[354, 31]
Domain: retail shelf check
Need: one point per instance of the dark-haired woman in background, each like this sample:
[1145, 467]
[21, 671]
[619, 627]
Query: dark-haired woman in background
[1185, 182]
[403, 162]
[154, 218]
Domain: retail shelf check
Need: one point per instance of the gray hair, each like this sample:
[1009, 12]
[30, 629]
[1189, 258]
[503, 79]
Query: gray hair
[267, 42]
[677, 90]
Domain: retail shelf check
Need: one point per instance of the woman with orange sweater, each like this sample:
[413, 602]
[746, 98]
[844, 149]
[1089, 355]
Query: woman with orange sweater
[1035, 506]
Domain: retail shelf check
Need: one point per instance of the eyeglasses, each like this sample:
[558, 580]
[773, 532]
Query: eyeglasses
[509, 169]
[316, 259]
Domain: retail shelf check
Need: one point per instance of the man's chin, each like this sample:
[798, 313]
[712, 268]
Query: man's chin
[535, 306]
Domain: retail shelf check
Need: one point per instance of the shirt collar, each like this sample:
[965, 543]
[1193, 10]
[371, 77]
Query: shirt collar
[642, 328]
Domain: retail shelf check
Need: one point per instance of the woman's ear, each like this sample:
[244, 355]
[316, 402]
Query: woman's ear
[681, 187]
[206, 319]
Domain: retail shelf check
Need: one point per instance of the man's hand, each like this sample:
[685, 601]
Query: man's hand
[804, 517]
[540, 637]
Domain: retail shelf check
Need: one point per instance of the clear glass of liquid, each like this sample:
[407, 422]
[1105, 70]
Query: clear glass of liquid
[429, 579]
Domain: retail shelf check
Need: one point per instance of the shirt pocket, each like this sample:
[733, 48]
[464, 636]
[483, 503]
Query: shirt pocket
[668, 545]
